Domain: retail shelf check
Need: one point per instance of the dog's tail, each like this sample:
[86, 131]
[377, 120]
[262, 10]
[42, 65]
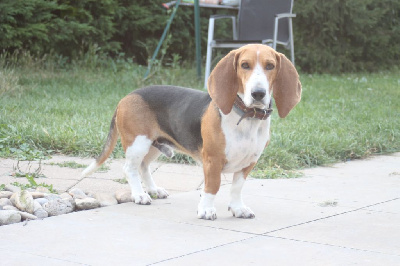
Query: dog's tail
[107, 149]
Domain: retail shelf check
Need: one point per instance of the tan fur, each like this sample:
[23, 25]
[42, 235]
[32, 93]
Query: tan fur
[286, 87]
[246, 171]
[228, 77]
[223, 83]
[213, 152]
[134, 118]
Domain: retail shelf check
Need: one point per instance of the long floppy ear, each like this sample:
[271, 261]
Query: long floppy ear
[223, 82]
[286, 87]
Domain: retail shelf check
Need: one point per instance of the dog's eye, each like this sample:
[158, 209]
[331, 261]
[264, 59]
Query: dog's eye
[269, 67]
[245, 66]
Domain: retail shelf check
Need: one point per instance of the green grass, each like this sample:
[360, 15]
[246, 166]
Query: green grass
[46, 110]
[69, 164]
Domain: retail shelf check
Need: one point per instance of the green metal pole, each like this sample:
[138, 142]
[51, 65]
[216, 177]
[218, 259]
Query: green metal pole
[198, 40]
[162, 38]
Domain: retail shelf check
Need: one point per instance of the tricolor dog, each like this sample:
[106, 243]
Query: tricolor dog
[226, 129]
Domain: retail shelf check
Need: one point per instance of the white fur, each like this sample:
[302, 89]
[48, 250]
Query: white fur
[257, 80]
[244, 142]
[237, 206]
[134, 157]
[206, 209]
[90, 169]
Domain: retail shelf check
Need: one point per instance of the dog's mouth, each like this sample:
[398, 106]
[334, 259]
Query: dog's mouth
[258, 104]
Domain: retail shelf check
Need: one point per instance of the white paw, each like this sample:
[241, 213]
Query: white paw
[142, 199]
[242, 212]
[159, 193]
[207, 214]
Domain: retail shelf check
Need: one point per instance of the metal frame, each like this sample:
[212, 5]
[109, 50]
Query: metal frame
[211, 43]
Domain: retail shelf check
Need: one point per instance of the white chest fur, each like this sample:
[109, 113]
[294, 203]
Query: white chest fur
[244, 142]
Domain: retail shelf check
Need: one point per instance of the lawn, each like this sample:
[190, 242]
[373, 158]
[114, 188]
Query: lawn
[46, 110]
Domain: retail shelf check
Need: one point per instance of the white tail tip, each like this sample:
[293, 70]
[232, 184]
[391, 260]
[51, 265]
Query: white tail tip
[90, 169]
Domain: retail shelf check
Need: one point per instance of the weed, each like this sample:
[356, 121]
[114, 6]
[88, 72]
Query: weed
[69, 164]
[2, 187]
[34, 185]
[274, 173]
[30, 177]
[121, 181]
[103, 168]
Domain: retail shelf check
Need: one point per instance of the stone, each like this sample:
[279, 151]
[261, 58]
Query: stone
[106, 199]
[26, 216]
[37, 195]
[4, 202]
[10, 208]
[58, 206]
[123, 195]
[43, 190]
[65, 195]
[41, 213]
[87, 204]
[5, 194]
[91, 194]
[36, 206]
[12, 188]
[77, 193]
[41, 201]
[50, 197]
[23, 201]
[9, 217]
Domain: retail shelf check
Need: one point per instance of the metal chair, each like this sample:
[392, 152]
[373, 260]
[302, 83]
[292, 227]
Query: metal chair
[259, 21]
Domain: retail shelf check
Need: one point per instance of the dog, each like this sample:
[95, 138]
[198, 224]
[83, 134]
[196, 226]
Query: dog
[225, 130]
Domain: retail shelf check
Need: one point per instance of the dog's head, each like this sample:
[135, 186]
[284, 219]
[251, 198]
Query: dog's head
[255, 72]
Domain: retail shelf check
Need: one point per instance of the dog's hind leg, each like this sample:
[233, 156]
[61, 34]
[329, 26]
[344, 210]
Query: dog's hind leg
[135, 155]
[152, 188]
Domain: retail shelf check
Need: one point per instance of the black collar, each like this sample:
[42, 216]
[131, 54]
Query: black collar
[246, 112]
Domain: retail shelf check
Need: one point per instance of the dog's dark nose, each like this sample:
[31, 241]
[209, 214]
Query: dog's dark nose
[258, 94]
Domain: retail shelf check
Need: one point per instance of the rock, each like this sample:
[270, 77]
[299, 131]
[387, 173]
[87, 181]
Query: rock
[106, 199]
[10, 208]
[123, 195]
[41, 201]
[36, 206]
[4, 202]
[38, 210]
[41, 213]
[77, 193]
[12, 188]
[9, 217]
[37, 195]
[25, 216]
[87, 204]
[65, 195]
[51, 197]
[1, 207]
[58, 206]
[91, 194]
[5, 194]
[23, 201]
[43, 190]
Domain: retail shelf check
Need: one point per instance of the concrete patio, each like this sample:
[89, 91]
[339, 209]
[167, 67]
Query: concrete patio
[345, 214]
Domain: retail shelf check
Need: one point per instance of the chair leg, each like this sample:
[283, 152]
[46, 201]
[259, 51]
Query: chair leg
[275, 33]
[209, 50]
[291, 40]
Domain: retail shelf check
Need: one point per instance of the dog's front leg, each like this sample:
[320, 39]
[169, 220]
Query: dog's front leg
[212, 181]
[236, 206]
